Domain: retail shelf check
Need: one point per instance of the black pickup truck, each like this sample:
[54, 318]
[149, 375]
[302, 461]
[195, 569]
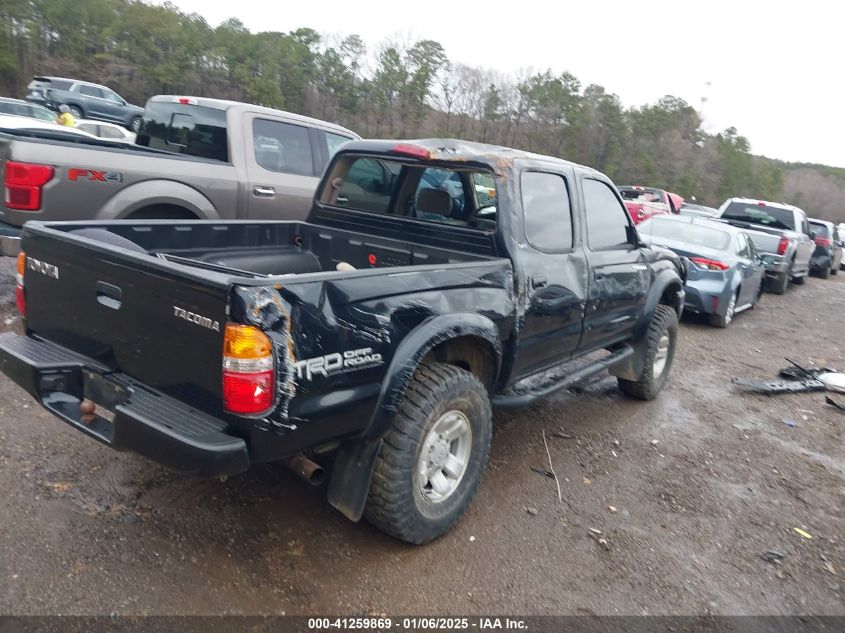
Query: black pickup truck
[432, 281]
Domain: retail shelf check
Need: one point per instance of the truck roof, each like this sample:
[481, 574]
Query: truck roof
[225, 104]
[458, 151]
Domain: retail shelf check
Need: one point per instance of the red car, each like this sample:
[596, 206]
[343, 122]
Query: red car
[646, 202]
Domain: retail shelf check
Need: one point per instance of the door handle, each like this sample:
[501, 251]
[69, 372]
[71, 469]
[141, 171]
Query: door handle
[109, 295]
[264, 192]
[539, 282]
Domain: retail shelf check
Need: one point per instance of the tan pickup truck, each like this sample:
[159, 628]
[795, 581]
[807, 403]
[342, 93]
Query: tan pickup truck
[194, 158]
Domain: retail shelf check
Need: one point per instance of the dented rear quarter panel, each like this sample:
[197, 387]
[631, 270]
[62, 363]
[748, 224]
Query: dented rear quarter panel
[339, 341]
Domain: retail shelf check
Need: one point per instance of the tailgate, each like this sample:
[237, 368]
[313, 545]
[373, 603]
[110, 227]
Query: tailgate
[157, 322]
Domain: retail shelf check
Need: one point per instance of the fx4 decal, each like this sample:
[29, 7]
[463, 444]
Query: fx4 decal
[76, 173]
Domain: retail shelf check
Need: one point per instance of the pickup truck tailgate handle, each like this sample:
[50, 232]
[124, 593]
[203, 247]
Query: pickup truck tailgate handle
[109, 295]
[264, 192]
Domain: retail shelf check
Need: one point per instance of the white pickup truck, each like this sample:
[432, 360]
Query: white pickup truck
[781, 234]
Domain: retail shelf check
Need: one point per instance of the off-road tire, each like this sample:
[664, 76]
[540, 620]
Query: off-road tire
[824, 273]
[647, 386]
[778, 285]
[395, 503]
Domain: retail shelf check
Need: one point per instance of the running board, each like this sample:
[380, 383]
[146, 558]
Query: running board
[517, 401]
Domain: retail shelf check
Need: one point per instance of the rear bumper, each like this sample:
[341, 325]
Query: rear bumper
[10, 239]
[820, 262]
[146, 421]
[705, 296]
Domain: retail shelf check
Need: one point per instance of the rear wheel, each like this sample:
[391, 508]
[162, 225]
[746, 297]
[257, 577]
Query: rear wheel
[824, 273]
[660, 341]
[135, 124]
[432, 457]
[799, 281]
[779, 284]
[724, 320]
[75, 112]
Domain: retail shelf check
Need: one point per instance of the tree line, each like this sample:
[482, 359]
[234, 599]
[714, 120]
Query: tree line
[398, 89]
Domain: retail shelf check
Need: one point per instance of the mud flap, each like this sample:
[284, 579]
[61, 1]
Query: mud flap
[351, 475]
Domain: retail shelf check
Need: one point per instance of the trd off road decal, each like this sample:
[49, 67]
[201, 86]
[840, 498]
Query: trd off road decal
[337, 363]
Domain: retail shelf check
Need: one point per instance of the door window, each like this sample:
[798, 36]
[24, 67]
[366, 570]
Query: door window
[282, 147]
[548, 215]
[607, 219]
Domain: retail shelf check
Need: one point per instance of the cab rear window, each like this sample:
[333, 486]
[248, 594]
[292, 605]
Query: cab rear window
[185, 129]
[441, 195]
[820, 229]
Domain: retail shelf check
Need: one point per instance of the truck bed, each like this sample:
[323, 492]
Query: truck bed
[156, 314]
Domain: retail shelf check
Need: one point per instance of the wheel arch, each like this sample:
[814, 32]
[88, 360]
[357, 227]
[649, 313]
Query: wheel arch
[157, 193]
[467, 340]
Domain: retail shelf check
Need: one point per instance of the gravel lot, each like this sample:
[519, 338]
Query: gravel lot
[688, 492]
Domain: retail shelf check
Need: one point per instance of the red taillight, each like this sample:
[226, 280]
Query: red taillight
[823, 241]
[248, 393]
[23, 183]
[411, 150]
[248, 375]
[20, 295]
[783, 245]
[708, 264]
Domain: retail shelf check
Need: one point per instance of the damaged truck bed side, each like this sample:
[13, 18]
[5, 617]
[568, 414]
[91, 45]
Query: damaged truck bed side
[431, 281]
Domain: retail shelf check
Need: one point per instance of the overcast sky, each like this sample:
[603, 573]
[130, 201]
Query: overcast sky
[775, 69]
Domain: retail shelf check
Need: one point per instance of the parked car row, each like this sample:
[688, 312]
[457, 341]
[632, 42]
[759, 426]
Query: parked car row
[85, 100]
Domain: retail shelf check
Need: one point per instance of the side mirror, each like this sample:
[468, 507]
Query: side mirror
[813, 234]
[633, 237]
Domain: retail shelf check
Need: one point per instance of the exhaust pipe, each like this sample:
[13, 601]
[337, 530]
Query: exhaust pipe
[308, 470]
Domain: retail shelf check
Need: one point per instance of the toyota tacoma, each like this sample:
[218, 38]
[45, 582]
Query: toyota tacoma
[432, 281]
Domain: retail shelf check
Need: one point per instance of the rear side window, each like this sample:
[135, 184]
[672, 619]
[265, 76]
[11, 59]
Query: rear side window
[185, 129]
[90, 91]
[607, 219]
[8, 107]
[334, 141]
[56, 84]
[282, 147]
[91, 128]
[548, 215]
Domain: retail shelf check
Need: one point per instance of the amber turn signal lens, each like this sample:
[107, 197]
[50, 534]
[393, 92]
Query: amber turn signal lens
[245, 341]
[21, 262]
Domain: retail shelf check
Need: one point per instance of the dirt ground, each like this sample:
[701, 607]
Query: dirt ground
[688, 491]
